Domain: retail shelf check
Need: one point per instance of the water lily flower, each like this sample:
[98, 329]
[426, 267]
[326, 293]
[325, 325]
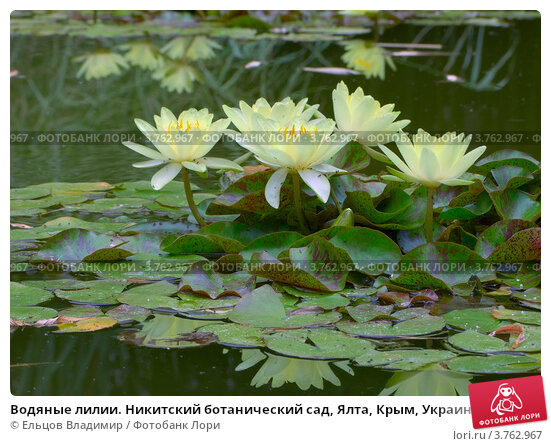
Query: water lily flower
[367, 57]
[363, 114]
[291, 144]
[100, 64]
[181, 147]
[432, 160]
[143, 54]
[176, 76]
[191, 48]
[284, 112]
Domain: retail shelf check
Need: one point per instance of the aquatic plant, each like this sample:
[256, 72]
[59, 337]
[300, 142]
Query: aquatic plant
[432, 161]
[367, 57]
[291, 144]
[181, 147]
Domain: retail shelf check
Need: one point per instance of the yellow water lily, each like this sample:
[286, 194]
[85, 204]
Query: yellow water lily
[287, 140]
[432, 160]
[361, 114]
[191, 48]
[100, 64]
[367, 57]
[181, 145]
[143, 54]
[284, 113]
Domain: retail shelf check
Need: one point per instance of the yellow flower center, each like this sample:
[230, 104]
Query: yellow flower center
[179, 125]
[294, 131]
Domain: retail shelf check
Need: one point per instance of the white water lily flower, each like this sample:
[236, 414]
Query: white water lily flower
[179, 143]
[367, 57]
[357, 112]
[300, 146]
[284, 113]
[143, 54]
[191, 48]
[100, 64]
[176, 76]
[432, 160]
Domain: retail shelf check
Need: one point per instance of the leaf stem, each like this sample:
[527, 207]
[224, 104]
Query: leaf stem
[189, 197]
[298, 203]
[428, 218]
[335, 200]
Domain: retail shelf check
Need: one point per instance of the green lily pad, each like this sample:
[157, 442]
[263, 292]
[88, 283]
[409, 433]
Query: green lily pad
[232, 230]
[24, 295]
[524, 317]
[123, 313]
[409, 313]
[273, 244]
[235, 335]
[263, 308]
[201, 279]
[500, 364]
[477, 319]
[327, 302]
[78, 312]
[412, 327]
[439, 265]
[507, 157]
[316, 267]
[57, 225]
[81, 245]
[324, 344]
[516, 204]
[497, 234]
[531, 342]
[402, 359]
[371, 251]
[107, 205]
[46, 202]
[97, 292]
[473, 341]
[153, 295]
[167, 331]
[32, 315]
[367, 311]
[29, 193]
[507, 177]
[481, 206]
[200, 244]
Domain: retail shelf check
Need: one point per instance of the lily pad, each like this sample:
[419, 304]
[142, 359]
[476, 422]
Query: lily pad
[235, 335]
[516, 204]
[412, 327]
[32, 315]
[97, 292]
[323, 344]
[79, 312]
[273, 244]
[507, 157]
[473, 341]
[498, 234]
[124, 313]
[154, 295]
[403, 359]
[499, 364]
[81, 245]
[524, 317]
[87, 325]
[477, 319]
[24, 295]
[367, 312]
[200, 244]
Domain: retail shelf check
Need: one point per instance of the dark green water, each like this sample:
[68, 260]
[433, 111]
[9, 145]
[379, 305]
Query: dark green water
[48, 96]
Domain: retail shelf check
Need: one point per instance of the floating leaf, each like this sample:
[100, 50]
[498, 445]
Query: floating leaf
[235, 335]
[516, 204]
[524, 317]
[154, 295]
[79, 312]
[412, 327]
[507, 158]
[86, 325]
[273, 244]
[124, 313]
[81, 245]
[497, 234]
[402, 359]
[32, 315]
[200, 244]
[201, 279]
[473, 341]
[477, 319]
[98, 292]
[315, 266]
[507, 177]
[481, 206]
[500, 364]
[23, 295]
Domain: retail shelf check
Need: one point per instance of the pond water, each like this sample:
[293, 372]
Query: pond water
[46, 95]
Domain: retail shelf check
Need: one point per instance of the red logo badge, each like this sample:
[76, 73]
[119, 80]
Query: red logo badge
[509, 401]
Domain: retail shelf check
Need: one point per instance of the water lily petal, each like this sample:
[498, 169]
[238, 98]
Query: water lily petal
[196, 166]
[165, 175]
[396, 160]
[429, 168]
[220, 163]
[467, 161]
[327, 168]
[273, 187]
[317, 182]
[150, 163]
[153, 134]
[456, 182]
[145, 151]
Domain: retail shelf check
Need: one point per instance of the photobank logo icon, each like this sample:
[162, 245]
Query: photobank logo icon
[511, 401]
